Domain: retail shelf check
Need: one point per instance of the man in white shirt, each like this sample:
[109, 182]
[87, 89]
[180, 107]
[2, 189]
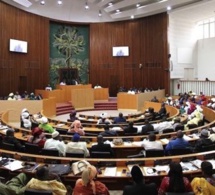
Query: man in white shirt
[75, 145]
[151, 143]
[163, 125]
[56, 143]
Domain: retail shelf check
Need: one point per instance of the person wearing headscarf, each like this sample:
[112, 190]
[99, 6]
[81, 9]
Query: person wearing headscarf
[175, 182]
[44, 125]
[76, 127]
[87, 185]
[103, 119]
[139, 187]
[38, 137]
[11, 97]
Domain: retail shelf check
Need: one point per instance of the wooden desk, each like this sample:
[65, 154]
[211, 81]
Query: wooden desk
[136, 101]
[101, 94]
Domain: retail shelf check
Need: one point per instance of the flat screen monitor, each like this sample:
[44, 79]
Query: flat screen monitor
[18, 46]
[120, 51]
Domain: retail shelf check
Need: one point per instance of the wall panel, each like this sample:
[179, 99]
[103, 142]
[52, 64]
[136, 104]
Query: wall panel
[147, 64]
[34, 65]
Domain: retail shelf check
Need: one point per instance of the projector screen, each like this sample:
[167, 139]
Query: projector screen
[18, 46]
[120, 51]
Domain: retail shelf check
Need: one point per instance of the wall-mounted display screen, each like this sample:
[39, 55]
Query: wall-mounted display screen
[120, 51]
[18, 46]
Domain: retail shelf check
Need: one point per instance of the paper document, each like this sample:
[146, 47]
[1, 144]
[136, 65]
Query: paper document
[162, 168]
[197, 163]
[60, 125]
[164, 140]
[110, 171]
[188, 166]
[137, 143]
[14, 165]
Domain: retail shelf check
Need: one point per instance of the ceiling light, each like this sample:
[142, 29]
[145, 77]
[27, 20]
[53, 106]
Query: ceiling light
[86, 6]
[100, 13]
[168, 8]
[110, 4]
[117, 10]
[42, 2]
[59, 2]
[132, 16]
[137, 5]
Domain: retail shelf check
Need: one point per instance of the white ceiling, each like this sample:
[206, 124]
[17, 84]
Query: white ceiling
[74, 10]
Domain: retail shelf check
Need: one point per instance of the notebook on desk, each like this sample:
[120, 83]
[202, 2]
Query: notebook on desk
[110, 171]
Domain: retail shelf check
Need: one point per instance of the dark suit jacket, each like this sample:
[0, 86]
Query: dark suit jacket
[108, 133]
[130, 130]
[147, 128]
[102, 148]
[141, 189]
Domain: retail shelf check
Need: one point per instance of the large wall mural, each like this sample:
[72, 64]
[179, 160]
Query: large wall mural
[69, 49]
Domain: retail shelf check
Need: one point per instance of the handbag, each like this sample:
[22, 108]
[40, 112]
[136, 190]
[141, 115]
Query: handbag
[117, 141]
[60, 169]
[79, 166]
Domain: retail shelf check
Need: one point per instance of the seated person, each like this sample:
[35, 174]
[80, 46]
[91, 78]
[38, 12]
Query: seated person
[63, 82]
[38, 137]
[87, 185]
[176, 122]
[147, 127]
[44, 125]
[212, 134]
[101, 146]
[151, 143]
[11, 97]
[163, 125]
[76, 145]
[162, 112]
[178, 143]
[208, 172]
[17, 96]
[174, 182]
[154, 99]
[119, 119]
[139, 186]
[47, 181]
[48, 88]
[56, 143]
[76, 127]
[72, 116]
[203, 140]
[130, 128]
[103, 119]
[150, 114]
[26, 120]
[97, 86]
[108, 132]
[23, 115]
[11, 139]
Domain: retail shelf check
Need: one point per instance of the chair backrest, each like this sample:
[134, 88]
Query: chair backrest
[170, 130]
[32, 148]
[99, 154]
[179, 127]
[136, 156]
[175, 193]
[50, 152]
[154, 153]
[61, 131]
[37, 192]
[75, 154]
[8, 146]
[208, 148]
[180, 151]
[192, 126]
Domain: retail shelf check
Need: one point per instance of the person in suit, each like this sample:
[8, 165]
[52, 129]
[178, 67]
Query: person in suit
[108, 132]
[101, 146]
[130, 129]
[139, 187]
[147, 128]
[119, 119]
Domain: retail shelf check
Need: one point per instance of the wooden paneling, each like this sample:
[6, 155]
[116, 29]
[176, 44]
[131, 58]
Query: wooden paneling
[34, 66]
[147, 41]
[146, 38]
